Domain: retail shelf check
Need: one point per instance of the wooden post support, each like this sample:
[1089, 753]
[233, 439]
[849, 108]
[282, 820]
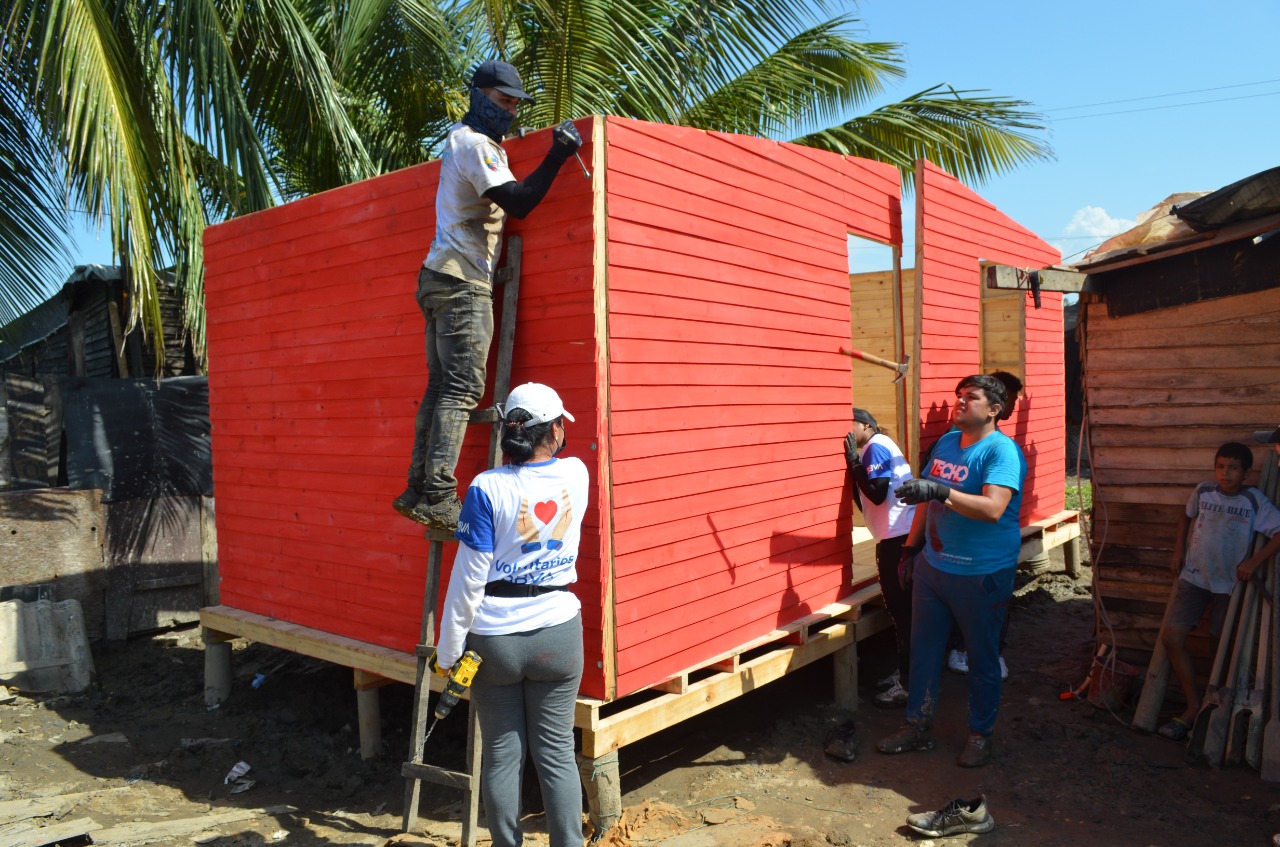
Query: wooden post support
[1071, 556]
[217, 667]
[846, 682]
[369, 712]
[602, 780]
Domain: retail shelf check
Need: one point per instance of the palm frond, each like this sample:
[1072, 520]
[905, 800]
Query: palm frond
[973, 137]
[33, 214]
[818, 74]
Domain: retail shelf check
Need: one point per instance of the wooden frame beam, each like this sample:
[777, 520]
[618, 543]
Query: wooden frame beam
[1049, 279]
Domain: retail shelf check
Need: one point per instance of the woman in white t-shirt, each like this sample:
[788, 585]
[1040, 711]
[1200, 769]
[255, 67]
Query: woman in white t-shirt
[509, 600]
[878, 467]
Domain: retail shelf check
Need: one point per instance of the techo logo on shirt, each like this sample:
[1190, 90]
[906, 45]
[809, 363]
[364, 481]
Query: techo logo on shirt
[948, 472]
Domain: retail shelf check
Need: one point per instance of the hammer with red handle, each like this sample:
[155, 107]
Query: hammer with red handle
[901, 368]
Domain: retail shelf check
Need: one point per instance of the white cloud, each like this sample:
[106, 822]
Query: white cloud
[1094, 222]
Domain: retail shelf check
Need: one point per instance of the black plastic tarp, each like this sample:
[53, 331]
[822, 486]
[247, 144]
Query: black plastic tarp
[138, 438]
[1252, 197]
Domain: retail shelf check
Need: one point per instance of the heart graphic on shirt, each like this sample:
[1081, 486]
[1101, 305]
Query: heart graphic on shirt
[545, 511]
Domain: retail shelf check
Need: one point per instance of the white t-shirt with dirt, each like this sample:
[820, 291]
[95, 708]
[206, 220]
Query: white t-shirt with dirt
[468, 224]
[1222, 528]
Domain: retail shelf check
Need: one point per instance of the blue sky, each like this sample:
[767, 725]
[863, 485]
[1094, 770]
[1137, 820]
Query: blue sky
[1114, 160]
[1125, 157]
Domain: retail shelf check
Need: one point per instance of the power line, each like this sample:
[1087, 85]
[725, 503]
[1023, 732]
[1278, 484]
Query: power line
[1158, 96]
[1170, 106]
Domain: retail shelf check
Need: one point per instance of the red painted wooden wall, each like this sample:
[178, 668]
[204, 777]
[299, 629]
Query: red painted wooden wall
[956, 228]
[316, 368]
[688, 302]
[728, 299]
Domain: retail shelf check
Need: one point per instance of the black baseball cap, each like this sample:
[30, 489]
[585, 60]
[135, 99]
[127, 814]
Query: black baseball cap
[500, 75]
[862, 416]
[1268, 436]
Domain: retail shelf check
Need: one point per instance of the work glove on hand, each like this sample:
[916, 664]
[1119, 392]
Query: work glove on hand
[565, 140]
[851, 457]
[913, 492]
[906, 562]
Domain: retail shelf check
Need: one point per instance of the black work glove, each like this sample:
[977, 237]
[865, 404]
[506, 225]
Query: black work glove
[913, 492]
[851, 457]
[906, 562]
[565, 140]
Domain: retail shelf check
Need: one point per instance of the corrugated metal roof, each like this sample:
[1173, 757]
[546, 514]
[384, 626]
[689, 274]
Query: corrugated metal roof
[1185, 222]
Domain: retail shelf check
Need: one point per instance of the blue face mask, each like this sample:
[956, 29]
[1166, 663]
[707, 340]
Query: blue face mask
[487, 117]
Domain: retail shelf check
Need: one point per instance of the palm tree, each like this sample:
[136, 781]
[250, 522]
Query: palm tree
[169, 114]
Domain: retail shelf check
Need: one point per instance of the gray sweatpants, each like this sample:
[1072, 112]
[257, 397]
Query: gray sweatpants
[524, 695]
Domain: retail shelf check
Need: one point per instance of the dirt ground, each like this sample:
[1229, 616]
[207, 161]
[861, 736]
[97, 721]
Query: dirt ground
[141, 756]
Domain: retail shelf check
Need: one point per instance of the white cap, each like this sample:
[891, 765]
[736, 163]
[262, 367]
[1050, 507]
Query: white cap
[537, 399]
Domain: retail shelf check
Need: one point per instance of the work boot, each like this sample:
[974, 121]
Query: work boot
[977, 751]
[954, 818]
[842, 742]
[442, 515]
[406, 502]
[906, 740]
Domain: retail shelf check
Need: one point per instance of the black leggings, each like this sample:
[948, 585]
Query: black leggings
[896, 599]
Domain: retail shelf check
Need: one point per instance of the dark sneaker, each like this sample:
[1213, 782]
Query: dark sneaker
[441, 515]
[406, 502]
[906, 740]
[842, 742]
[894, 698]
[956, 817]
[977, 751]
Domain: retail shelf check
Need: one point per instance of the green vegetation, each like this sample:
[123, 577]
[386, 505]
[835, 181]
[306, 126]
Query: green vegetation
[161, 117]
[1079, 494]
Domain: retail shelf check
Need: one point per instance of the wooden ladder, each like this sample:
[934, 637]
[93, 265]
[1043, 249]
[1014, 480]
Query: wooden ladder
[414, 770]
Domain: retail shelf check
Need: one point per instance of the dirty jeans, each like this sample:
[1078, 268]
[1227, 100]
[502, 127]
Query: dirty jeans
[459, 317]
[524, 696]
[977, 605]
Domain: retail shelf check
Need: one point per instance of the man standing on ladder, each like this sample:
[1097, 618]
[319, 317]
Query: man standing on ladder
[455, 286]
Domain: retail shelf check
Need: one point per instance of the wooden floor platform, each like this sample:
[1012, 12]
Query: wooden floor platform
[606, 726]
[1060, 530]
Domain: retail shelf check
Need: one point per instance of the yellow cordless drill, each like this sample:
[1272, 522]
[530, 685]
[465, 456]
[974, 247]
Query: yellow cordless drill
[457, 680]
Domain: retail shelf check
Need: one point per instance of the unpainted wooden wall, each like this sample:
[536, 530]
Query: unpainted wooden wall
[1163, 390]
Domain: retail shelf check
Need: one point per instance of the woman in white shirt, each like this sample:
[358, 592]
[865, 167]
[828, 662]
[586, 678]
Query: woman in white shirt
[509, 600]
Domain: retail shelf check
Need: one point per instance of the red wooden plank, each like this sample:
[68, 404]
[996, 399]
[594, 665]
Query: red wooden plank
[649, 604]
[796, 492]
[727, 557]
[675, 649]
[633, 178]
[684, 419]
[734, 254]
[761, 291]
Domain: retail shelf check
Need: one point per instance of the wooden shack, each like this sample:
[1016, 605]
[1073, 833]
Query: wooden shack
[1180, 341]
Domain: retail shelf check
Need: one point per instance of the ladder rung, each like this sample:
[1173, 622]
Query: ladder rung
[425, 651]
[502, 275]
[440, 776]
[489, 415]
